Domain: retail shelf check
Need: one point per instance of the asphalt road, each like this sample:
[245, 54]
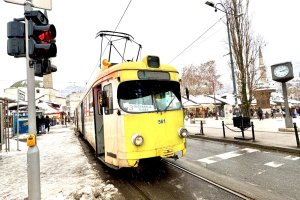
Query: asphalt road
[155, 181]
[256, 173]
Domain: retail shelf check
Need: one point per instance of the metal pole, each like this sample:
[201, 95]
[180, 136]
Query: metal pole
[223, 125]
[1, 126]
[253, 135]
[288, 120]
[201, 127]
[7, 124]
[229, 42]
[216, 108]
[296, 134]
[33, 157]
[18, 120]
[231, 60]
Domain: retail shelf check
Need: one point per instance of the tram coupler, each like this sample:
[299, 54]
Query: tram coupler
[175, 157]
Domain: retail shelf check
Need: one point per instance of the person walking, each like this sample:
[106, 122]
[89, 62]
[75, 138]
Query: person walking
[42, 124]
[37, 125]
[260, 113]
[47, 123]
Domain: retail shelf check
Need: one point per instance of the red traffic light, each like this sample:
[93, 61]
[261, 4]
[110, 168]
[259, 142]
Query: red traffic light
[42, 32]
[48, 35]
[41, 37]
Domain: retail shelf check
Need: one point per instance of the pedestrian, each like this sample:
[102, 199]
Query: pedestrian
[37, 125]
[47, 123]
[42, 124]
[66, 120]
[260, 113]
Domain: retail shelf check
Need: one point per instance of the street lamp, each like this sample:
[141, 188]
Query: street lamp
[209, 3]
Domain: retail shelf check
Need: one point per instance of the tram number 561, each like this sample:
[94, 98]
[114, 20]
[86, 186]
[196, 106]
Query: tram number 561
[161, 121]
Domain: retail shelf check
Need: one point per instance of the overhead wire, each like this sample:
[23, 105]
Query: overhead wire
[98, 62]
[196, 40]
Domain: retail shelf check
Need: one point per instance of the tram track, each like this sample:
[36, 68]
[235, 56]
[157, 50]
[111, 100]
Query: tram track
[155, 182]
[140, 191]
[237, 194]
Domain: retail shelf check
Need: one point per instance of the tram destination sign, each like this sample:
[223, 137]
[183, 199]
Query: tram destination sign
[153, 75]
[43, 4]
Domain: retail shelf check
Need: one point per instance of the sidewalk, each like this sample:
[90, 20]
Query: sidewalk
[267, 134]
[66, 171]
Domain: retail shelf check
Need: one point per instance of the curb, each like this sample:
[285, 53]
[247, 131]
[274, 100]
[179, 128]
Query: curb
[251, 144]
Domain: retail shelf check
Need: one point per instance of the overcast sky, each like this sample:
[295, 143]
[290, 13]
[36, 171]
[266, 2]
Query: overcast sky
[164, 28]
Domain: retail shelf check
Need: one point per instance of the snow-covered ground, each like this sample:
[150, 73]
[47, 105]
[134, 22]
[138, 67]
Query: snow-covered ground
[64, 170]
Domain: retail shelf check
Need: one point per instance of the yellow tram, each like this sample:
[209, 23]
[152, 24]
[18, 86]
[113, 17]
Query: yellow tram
[132, 111]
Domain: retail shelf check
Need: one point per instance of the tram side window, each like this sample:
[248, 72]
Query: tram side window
[108, 109]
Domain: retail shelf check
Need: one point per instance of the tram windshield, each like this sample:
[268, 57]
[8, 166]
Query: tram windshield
[149, 96]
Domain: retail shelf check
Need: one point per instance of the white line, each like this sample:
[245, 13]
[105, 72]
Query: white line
[292, 157]
[249, 150]
[207, 160]
[274, 164]
[227, 155]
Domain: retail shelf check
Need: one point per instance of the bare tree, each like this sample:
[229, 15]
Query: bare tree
[201, 79]
[245, 48]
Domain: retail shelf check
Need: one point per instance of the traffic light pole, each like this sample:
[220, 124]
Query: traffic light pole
[33, 157]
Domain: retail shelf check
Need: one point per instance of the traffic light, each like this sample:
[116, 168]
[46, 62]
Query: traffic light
[44, 67]
[16, 39]
[41, 36]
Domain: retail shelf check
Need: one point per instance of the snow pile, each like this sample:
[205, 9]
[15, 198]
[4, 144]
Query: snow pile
[64, 170]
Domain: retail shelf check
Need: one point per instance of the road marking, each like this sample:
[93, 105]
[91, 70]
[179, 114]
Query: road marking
[207, 160]
[227, 155]
[274, 164]
[292, 157]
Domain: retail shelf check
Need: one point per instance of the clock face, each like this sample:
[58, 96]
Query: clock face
[281, 71]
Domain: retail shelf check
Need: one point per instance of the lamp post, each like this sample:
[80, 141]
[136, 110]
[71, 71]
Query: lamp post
[229, 42]
[214, 91]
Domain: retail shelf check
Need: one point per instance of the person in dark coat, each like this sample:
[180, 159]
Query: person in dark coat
[47, 123]
[260, 113]
[37, 122]
[42, 124]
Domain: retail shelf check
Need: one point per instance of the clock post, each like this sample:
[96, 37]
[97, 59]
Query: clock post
[283, 72]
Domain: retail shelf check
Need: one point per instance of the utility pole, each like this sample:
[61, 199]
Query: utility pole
[34, 40]
[33, 154]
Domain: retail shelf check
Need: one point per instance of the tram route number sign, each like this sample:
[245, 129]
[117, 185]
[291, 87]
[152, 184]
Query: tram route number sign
[43, 4]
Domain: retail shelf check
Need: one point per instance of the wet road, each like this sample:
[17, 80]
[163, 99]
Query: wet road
[156, 181]
[258, 173]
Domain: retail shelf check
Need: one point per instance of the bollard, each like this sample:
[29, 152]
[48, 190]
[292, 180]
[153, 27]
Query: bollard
[223, 125]
[296, 134]
[252, 127]
[201, 128]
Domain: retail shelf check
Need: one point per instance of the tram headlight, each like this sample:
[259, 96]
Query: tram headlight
[137, 140]
[183, 132]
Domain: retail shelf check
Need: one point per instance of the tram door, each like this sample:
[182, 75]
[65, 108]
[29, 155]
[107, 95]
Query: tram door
[82, 119]
[98, 113]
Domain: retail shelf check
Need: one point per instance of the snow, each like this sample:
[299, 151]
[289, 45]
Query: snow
[65, 172]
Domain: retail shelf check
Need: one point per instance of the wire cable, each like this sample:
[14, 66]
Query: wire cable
[99, 61]
[195, 40]
[123, 15]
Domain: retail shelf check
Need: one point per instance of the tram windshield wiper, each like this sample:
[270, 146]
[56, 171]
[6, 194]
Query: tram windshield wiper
[169, 105]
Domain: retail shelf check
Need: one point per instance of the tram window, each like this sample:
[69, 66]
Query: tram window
[108, 109]
[149, 96]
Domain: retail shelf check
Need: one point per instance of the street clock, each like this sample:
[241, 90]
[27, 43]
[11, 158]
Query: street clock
[282, 72]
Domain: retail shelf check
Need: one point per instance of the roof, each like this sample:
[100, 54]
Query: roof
[201, 99]
[23, 83]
